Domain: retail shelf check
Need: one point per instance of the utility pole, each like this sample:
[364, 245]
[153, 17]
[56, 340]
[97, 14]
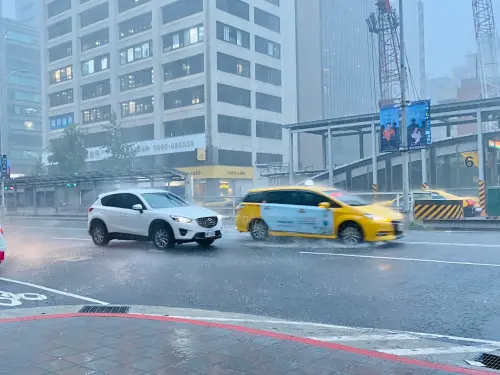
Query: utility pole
[404, 130]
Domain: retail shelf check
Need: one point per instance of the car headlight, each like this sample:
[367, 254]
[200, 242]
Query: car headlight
[377, 218]
[181, 219]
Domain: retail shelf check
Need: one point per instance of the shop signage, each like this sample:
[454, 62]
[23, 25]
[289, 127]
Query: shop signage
[471, 159]
[156, 146]
[201, 154]
[220, 171]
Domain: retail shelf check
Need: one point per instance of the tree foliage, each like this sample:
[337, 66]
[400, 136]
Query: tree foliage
[69, 151]
[121, 154]
[39, 168]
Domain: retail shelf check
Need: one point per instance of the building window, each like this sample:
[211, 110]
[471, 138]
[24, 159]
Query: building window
[233, 65]
[57, 7]
[136, 79]
[237, 8]
[60, 28]
[61, 121]
[93, 40]
[233, 35]
[136, 53]
[24, 96]
[185, 126]
[22, 37]
[61, 98]
[234, 95]
[124, 5]
[60, 51]
[20, 80]
[98, 114]
[61, 75]
[25, 140]
[269, 130]
[135, 25]
[24, 125]
[274, 2]
[267, 47]
[180, 9]
[266, 158]
[14, 64]
[268, 75]
[268, 102]
[183, 38]
[267, 20]
[234, 125]
[235, 158]
[25, 111]
[95, 14]
[20, 51]
[95, 65]
[96, 89]
[183, 67]
[184, 97]
[137, 107]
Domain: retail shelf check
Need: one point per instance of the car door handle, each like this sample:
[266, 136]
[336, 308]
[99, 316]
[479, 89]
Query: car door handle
[301, 211]
[267, 208]
[124, 215]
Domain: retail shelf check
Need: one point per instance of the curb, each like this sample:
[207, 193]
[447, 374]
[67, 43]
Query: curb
[263, 333]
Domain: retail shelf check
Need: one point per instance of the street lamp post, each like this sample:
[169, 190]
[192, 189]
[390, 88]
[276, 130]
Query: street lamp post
[2, 148]
[404, 130]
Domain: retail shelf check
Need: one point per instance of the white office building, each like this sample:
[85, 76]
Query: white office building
[203, 85]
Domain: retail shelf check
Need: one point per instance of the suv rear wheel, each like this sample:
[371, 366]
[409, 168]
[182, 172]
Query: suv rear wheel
[99, 232]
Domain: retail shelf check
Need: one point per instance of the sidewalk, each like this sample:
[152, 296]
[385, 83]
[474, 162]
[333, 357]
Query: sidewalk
[81, 343]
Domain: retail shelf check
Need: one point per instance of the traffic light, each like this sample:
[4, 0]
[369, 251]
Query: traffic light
[8, 188]
[70, 185]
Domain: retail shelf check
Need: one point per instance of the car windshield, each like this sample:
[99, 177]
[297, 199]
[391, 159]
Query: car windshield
[349, 199]
[164, 200]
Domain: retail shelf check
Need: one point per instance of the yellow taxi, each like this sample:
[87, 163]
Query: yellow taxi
[316, 212]
[471, 204]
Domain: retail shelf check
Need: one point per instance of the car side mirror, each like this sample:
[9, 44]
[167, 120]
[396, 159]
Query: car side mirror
[138, 207]
[324, 205]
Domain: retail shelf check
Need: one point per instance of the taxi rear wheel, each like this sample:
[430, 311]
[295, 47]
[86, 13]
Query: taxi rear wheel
[259, 230]
[350, 234]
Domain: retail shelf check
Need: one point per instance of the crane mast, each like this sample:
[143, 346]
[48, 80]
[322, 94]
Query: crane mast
[487, 48]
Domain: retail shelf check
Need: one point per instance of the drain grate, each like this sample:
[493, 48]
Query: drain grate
[490, 360]
[104, 309]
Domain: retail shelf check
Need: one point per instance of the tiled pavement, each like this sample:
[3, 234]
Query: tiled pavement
[114, 345]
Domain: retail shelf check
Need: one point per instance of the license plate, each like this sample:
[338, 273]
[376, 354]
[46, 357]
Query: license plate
[210, 234]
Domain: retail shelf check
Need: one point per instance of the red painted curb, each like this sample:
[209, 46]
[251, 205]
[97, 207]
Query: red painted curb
[259, 332]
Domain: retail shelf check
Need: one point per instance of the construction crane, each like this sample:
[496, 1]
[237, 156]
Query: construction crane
[385, 25]
[487, 48]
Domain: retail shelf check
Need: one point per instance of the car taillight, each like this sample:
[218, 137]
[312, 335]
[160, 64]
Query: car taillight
[238, 207]
[1, 231]
[470, 202]
[91, 209]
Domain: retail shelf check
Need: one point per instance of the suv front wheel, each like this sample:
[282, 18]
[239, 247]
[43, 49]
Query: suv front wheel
[163, 237]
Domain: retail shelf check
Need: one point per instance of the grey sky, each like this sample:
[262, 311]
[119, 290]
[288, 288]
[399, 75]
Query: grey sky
[449, 33]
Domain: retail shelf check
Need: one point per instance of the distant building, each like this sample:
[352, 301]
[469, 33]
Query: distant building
[29, 12]
[20, 101]
[183, 77]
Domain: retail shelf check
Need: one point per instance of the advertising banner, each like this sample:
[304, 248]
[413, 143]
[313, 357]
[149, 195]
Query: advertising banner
[418, 122]
[390, 136]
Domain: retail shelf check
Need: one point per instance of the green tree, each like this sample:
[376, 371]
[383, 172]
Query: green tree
[69, 151]
[39, 168]
[121, 154]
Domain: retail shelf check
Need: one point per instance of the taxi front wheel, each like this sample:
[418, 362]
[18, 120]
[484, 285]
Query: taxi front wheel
[350, 234]
[259, 230]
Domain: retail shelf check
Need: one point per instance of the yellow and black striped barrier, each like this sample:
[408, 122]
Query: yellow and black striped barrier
[374, 191]
[438, 210]
[425, 186]
[482, 196]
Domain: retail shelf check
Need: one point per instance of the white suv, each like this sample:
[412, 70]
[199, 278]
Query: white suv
[151, 215]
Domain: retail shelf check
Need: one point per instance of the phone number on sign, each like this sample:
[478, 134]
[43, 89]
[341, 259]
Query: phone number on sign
[170, 146]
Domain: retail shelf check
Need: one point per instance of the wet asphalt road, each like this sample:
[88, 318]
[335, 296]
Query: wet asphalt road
[435, 282]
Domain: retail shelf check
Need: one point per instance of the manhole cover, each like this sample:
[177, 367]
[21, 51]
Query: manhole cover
[104, 309]
[490, 360]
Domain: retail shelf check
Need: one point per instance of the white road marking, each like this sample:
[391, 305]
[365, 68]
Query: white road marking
[366, 338]
[454, 244]
[46, 228]
[70, 239]
[429, 351]
[75, 259]
[67, 294]
[404, 259]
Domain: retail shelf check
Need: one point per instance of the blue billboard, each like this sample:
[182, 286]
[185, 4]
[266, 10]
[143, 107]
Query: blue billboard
[390, 136]
[418, 123]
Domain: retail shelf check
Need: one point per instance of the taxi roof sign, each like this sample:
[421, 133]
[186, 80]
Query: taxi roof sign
[308, 183]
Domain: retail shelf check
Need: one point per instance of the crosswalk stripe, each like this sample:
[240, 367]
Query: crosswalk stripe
[428, 351]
